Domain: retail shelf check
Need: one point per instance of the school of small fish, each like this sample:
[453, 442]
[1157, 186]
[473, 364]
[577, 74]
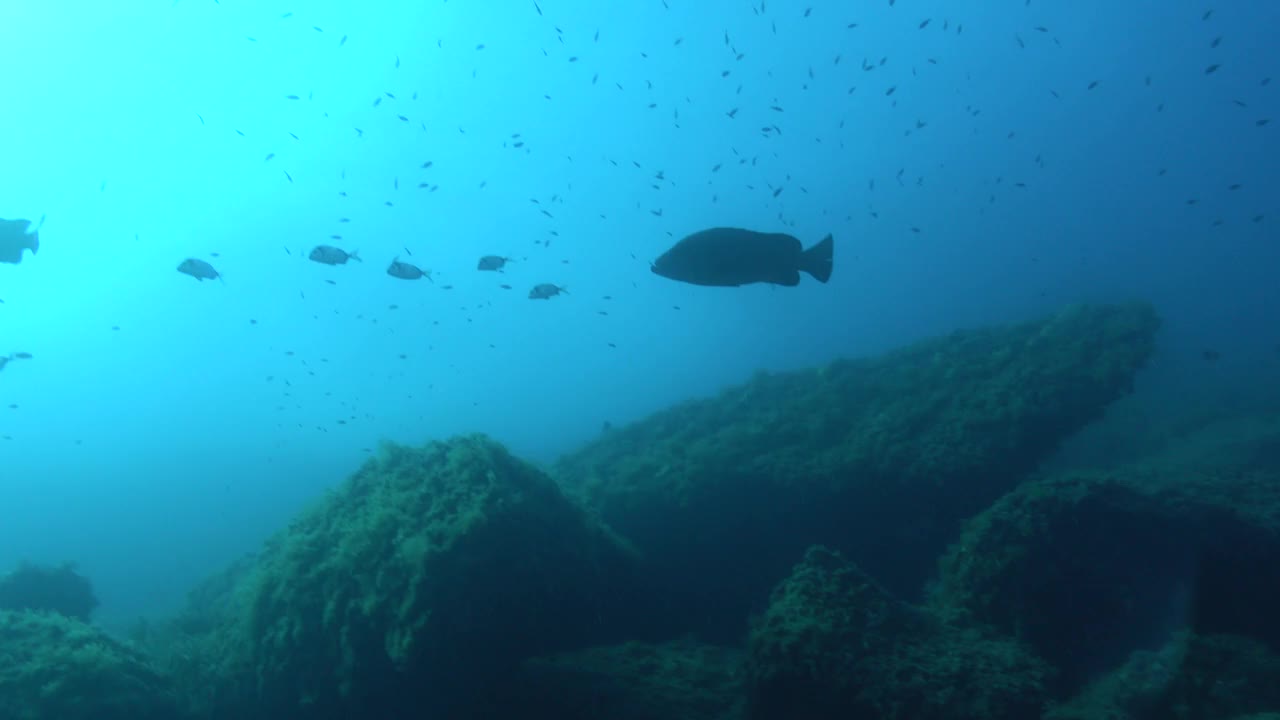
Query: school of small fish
[720, 256]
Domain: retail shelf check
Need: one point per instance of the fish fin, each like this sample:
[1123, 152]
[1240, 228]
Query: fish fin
[817, 260]
[33, 242]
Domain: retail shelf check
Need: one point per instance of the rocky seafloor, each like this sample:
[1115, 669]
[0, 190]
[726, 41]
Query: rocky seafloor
[875, 538]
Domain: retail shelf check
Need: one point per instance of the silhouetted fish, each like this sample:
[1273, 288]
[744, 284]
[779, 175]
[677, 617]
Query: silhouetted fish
[492, 262]
[198, 269]
[729, 257]
[14, 238]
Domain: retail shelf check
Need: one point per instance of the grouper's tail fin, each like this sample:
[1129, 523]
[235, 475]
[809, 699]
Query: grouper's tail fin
[817, 260]
[33, 238]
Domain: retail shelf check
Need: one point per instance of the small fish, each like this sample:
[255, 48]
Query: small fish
[407, 271]
[21, 356]
[546, 291]
[492, 262]
[198, 269]
[330, 255]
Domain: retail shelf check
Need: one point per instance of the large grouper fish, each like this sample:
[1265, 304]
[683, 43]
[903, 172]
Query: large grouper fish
[729, 257]
[15, 236]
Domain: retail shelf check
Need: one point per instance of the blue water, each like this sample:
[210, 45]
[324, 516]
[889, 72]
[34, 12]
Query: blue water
[163, 426]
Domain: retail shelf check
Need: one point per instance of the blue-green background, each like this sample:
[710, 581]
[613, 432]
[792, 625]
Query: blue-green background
[153, 453]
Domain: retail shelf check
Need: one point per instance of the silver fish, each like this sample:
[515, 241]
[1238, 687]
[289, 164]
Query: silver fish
[546, 291]
[330, 255]
[407, 271]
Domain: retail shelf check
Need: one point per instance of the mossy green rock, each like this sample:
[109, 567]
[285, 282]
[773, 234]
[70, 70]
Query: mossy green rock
[1087, 566]
[834, 645]
[634, 681]
[880, 458]
[57, 668]
[1189, 678]
[420, 584]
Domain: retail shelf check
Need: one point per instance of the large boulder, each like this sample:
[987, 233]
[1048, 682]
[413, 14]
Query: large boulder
[632, 681]
[834, 645]
[1088, 566]
[54, 589]
[53, 667]
[1190, 676]
[879, 458]
[416, 589]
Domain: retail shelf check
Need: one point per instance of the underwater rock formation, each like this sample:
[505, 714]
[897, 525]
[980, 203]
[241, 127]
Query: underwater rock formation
[1086, 566]
[833, 644]
[57, 668]
[633, 681]
[878, 458]
[418, 587]
[1191, 676]
[54, 589]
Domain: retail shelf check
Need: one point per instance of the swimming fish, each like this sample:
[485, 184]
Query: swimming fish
[492, 262]
[330, 255]
[546, 291]
[4, 359]
[729, 257]
[406, 271]
[198, 269]
[14, 238]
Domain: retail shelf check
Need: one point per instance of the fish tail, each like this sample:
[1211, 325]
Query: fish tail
[33, 242]
[354, 256]
[817, 260]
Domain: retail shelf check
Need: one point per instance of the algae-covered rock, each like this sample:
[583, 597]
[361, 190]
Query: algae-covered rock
[634, 681]
[56, 589]
[1191, 676]
[204, 649]
[834, 644]
[880, 458]
[1086, 567]
[56, 668]
[420, 584]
